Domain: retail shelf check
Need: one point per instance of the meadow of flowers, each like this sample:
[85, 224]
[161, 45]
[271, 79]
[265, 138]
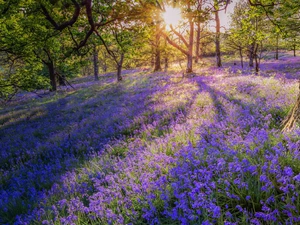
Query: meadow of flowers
[155, 149]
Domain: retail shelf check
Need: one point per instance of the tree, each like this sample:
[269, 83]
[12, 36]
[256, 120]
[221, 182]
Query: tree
[50, 32]
[194, 12]
[236, 39]
[217, 5]
[96, 62]
[285, 16]
[249, 28]
[121, 39]
[157, 48]
[292, 38]
[187, 45]
[233, 41]
[35, 41]
[201, 20]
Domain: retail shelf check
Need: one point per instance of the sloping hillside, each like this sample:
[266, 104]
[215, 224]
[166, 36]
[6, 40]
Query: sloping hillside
[155, 148]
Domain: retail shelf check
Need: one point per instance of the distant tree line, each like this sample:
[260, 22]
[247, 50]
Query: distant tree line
[44, 43]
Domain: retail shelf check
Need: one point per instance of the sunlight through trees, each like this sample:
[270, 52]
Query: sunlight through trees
[133, 112]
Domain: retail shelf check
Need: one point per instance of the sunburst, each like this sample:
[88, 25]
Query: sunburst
[172, 16]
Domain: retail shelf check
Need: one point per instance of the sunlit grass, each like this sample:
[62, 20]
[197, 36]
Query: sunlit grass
[135, 151]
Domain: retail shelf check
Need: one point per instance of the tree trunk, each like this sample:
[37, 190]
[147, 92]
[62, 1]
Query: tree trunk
[294, 49]
[256, 65]
[119, 67]
[251, 54]
[96, 63]
[293, 117]
[189, 68]
[152, 63]
[218, 50]
[241, 57]
[189, 44]
[256, 59]
[104, 67]
[277, 47]
[52, 76]
[157, 63]
[61, 80]
[198, 43]
[166, 64]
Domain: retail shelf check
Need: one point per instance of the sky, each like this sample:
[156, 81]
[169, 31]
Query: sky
[173, 16]
[225, 17]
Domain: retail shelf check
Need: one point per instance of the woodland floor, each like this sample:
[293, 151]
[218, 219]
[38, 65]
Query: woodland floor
[155, 148]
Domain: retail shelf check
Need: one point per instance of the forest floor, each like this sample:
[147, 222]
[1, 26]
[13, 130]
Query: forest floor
[155, 148]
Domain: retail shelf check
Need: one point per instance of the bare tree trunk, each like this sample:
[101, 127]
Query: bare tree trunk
[218, 50]
[157, 63]
[119, 67]
[166, 64]
[293, 117]
[198, 42]
[52, 76]
[241, 57]
[152, 61]
[189, 68]
[277, 47]
[104, 67]
[61, 79]
[294, 49]
[256, 65]
[189, 44]
[103, 62]
[256, 59]
[251, 54]
[96, 63]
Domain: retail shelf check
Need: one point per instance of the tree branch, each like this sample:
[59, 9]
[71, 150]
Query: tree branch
[174, 44]
[111, 53]
[65, 24]
[179, 36]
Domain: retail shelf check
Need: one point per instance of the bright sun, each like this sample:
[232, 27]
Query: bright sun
[172, 16]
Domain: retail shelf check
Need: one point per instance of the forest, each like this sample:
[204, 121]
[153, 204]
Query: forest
[150, 112]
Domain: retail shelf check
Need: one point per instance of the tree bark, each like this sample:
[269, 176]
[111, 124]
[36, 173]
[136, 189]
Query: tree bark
[157, 63]
[251, 54]
[189, 68]
[52, 76]
[241, 57]
[61, 80]
[104, 68]
[277, 47]
[198, 36]
[293, 117]
[96, 63]
[188, 51]
[294, 49]
[256, 58]
[166, 64]
[119, 67]
[104, 65]
[218, 50]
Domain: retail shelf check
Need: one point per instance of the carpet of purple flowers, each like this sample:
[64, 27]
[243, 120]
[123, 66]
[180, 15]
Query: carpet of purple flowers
[155, 149]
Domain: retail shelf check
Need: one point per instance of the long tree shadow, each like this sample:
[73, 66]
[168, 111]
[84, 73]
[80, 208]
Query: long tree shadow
[220, 98]
[38, 153]
[87, 121]
[213, 140]
[221, 113]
